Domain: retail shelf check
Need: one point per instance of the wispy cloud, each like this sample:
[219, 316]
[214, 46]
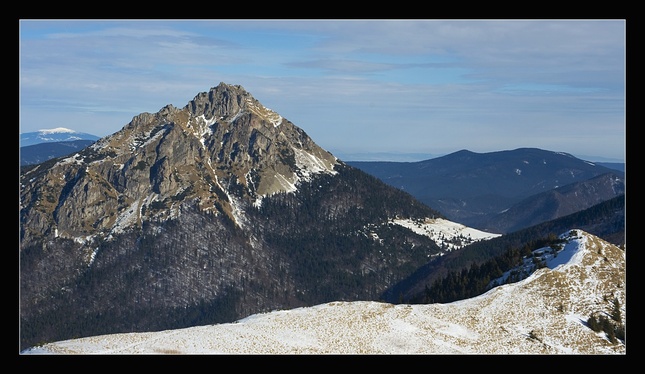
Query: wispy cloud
[379, 85]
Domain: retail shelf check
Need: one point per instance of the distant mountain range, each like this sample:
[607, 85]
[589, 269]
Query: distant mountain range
[39, 146]
[487, 190]
[59, 134]
[385, 156]
[41, 152]
[555, 203]
[422, 156]
[613, 165]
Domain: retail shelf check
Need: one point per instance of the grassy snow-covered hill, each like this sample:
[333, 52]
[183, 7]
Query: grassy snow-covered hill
[546, 313]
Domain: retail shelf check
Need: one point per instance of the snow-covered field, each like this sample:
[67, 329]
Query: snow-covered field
[542, 314]
[446, 233]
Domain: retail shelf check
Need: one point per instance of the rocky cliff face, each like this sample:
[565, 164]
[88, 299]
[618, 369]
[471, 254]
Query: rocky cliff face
[221, 139]
[206, 213]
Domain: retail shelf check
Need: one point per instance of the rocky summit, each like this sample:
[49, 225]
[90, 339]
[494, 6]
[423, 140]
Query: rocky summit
[222, 140]
[204, 214]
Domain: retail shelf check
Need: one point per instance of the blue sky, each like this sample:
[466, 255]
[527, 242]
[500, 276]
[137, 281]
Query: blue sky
[355, 86]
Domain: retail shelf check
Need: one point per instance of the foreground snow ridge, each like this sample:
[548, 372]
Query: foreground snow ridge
[545, 313]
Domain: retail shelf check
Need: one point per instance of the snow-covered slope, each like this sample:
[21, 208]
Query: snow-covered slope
[545, 313]
[447, 234]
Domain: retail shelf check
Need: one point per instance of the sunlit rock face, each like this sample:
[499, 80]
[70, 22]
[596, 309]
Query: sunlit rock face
[221, 138]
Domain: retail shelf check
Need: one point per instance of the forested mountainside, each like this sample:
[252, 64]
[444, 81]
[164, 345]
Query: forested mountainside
[555, 203]
[38, 153]
[479, 262]
[204, 214]
[569, 300]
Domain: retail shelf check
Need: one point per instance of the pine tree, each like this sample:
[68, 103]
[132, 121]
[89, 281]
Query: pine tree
[615, 314]
[594, 324]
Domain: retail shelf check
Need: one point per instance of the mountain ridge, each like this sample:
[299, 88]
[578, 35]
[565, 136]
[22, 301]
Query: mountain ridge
[41, 152]
[471, 188]
[605, 220]
[549, 312]
[558, 202]
[59, 134]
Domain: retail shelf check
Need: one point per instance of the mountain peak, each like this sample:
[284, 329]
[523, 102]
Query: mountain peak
[227, 102]
[214, 210]
[224, 149]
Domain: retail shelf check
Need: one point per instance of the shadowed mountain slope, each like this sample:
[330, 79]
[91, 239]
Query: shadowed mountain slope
[37, 153]
[471, 188]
